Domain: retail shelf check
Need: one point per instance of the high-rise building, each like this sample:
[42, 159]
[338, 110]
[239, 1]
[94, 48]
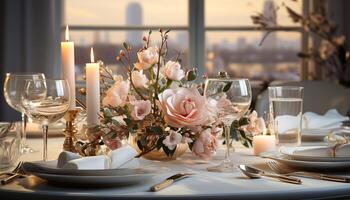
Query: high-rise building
[134, 18]
[269, 12]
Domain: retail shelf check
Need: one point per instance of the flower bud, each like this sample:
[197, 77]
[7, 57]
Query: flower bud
[191, 75]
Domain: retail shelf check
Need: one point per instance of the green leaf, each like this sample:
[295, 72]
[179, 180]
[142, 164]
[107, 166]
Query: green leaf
[234, 134]
[168, 152]
[115, 122]
[227, 87]
[107, 113]
[157, 130]
[159, 143]
[243, 121]
[191, 75]
[125, 45]
[150, 32]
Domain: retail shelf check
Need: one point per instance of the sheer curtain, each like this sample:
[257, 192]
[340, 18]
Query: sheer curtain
[30, 41]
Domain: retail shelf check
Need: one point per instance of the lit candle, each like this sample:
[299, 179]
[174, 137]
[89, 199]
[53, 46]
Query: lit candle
[68, 66]
[263, 143]
[92, 91]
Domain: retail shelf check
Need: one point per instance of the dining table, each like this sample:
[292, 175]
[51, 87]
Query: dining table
[201, 185]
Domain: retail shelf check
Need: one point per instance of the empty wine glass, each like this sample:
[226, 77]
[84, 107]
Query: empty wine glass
[46, 101]
[231, 99]
[13, 88]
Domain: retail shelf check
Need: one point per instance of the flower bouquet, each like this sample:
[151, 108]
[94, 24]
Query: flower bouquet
[158, 106]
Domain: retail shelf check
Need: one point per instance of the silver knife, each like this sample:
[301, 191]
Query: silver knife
[326, 177]
[169, 181]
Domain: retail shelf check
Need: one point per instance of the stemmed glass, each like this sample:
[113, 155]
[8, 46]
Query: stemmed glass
[231, 99]
[13, 88]
[46, 101]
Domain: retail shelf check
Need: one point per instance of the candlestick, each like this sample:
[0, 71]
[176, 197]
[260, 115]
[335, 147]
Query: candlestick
[263, 143]
[92, 91]
[68, 71]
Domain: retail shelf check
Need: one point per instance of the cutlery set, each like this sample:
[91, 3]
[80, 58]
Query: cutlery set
[279, 172]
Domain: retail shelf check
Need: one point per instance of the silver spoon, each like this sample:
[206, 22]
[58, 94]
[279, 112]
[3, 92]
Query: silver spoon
[252, 172]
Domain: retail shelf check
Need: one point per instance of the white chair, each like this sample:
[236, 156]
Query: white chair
[319, 96]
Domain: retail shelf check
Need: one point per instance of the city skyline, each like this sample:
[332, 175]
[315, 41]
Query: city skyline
[82, 15]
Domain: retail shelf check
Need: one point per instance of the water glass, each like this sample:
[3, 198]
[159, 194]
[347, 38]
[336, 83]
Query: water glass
[286, 108]
[10, 144]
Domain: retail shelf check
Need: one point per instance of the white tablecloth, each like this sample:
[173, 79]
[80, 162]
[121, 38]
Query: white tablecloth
[204, 184]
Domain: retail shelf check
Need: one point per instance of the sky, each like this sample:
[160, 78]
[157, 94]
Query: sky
[174, 13]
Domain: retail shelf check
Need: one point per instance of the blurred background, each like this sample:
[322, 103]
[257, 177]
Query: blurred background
[212, 35]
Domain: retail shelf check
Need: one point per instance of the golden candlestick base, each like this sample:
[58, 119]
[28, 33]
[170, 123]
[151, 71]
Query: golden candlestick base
[70, 130]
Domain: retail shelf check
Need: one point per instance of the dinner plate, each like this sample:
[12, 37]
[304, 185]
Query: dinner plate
[316, 154]
[49, 167]
[307, 165]
[94, 180]
[124, 176]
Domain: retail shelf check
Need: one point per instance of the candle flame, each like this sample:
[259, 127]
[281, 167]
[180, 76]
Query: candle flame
[92, 58]
[67, 33]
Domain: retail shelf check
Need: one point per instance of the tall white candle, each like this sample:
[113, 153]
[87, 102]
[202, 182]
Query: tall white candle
[92, 91]
[68, 71]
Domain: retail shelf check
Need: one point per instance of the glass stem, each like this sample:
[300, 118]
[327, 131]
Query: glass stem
[227, 141]
[45, 129]
[24, 130]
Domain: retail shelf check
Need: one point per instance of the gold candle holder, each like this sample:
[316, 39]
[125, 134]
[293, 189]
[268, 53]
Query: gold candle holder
[70, 130]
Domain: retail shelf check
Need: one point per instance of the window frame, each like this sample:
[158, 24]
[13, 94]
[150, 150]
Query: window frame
[196, 30]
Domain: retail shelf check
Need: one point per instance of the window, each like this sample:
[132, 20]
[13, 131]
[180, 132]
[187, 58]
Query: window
[229, 39]
[232, 42]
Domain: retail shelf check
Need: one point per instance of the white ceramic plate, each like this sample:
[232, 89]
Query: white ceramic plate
[313, 154]
[124, 176]
[94, 180]
[308, 165]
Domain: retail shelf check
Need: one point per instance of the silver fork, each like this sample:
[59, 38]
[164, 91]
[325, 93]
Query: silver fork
[15, 170]
[19, 173]
[286, 170]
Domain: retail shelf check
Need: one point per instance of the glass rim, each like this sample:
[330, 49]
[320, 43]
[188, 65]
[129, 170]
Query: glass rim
[24, 73]
[46, 80]
[286, 87]
[228, 79]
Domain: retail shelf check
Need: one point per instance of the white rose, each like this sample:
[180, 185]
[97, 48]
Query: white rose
[117, 94]
[147, 58]
[139, 79]
[174, 138]
[173, 71]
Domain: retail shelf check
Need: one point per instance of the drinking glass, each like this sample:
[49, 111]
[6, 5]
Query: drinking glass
[286, 109]
[10, 144]
[231, 99]
[13, 88]
[46, 101]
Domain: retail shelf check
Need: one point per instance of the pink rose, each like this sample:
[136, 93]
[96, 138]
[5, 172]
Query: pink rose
[205, 145]
[117, 94]
[112, 143]
[256, 125]
[174, 138]
[173, 71]
[147, 58]
[140, 109]
[139, 79]
[183, 107]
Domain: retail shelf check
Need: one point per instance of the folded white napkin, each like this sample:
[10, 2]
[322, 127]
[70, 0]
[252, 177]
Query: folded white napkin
[330, 120]
[119, 158]
[343, 151]
[65, 157]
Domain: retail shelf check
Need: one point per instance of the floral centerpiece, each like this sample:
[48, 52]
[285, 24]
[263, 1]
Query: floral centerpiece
[158, 105]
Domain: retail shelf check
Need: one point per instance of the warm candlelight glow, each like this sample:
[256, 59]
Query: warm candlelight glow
[92, 58]
[67, 33]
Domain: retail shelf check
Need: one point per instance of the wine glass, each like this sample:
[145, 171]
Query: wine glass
[13, 88]
[231, 99]
[46, 101]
